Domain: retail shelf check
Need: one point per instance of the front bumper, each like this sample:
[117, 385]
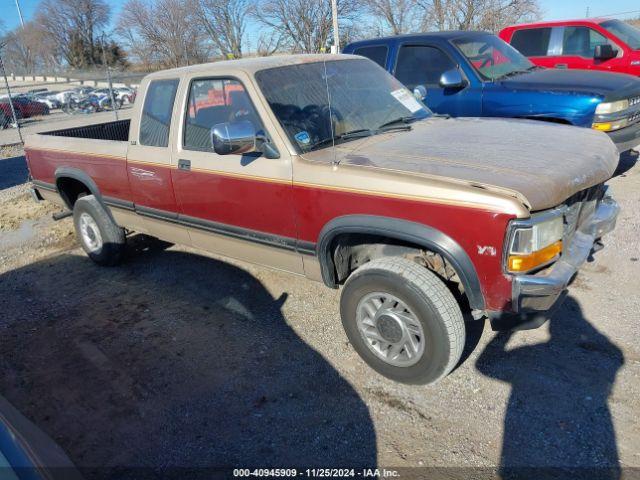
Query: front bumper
[626, 138]
[534, 296]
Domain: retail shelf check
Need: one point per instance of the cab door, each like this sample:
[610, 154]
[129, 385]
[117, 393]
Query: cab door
[423, 64]
[149, 160]
[575, 48]
[237, 205]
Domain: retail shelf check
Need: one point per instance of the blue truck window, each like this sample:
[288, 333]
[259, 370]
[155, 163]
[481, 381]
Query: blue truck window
[377, 53]
[532, 42]
[422, 65]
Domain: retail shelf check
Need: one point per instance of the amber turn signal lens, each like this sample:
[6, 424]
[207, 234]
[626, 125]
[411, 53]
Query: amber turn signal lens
[524, 263]
[603, 127]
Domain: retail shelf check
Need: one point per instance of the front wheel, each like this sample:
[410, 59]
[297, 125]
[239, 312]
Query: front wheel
[402, 320]
[100, 237]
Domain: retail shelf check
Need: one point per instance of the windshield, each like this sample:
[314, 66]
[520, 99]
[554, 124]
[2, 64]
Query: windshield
[334, 101]
[491, 57]
[625, 32]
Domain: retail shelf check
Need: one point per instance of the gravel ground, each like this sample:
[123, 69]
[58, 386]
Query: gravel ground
[177, 358]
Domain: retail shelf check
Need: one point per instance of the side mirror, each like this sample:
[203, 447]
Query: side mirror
[420, 92]
[604, 52]
[233, 137]
[452, 79]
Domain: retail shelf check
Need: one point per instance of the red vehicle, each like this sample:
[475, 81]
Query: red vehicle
[6, 116]
[28, 108]
[592, 44]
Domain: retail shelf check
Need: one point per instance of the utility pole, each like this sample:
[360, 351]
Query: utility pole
[6, 84]
[104, 60]
[336, 36]
[20, 13]
[587, 12]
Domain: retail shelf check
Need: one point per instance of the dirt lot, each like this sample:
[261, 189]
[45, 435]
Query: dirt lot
[179, 359]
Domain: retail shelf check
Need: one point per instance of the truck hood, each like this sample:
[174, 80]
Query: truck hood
[543, 164]
[612, 86]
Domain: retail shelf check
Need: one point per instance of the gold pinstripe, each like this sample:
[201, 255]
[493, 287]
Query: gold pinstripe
[293, 183]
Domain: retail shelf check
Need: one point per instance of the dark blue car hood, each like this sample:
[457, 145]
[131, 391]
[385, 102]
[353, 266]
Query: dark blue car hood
[611, 86]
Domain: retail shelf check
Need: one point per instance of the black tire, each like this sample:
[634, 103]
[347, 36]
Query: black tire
[432, 304]
[110, 249]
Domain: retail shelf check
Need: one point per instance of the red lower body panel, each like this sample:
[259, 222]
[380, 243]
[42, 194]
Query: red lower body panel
[300, 211]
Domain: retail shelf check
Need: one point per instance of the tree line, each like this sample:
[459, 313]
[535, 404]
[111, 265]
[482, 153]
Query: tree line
[151, 34]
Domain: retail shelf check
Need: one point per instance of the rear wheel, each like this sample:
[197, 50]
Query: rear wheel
[402, 320]
[100, 237]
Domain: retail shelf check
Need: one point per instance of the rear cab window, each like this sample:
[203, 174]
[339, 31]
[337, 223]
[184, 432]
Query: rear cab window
[155, 120]
[532, 42]
[377, 53]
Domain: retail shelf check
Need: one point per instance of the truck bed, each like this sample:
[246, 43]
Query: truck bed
[116, 131]
[99, 151]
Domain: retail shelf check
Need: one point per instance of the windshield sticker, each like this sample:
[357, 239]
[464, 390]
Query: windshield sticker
[406, 99]
[302, 138]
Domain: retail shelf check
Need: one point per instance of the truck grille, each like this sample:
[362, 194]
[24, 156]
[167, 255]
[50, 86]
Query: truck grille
[633, 118]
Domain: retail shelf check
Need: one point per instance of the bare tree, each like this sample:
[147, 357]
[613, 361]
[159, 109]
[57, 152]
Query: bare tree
[162, 33]
[225, 22]
[74, 26]
[489, 15]
[305, 25]
[395, 16]
[28, 50]
[268, 43]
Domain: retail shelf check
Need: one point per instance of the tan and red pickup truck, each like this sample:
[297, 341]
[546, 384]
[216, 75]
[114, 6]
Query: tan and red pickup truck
[326, 166]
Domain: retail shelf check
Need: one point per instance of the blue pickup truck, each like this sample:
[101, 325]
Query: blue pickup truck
[478, 74]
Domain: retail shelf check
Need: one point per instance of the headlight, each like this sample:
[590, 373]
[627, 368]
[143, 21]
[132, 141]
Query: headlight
[535, 244]
[612, 107]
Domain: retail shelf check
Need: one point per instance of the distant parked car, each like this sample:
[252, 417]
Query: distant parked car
[83, 90]
[592, 44]
[63, 96]
[476, 74]
[6, 116]
[48, 98]
[30, 108]
[24, 107]
[126, 95]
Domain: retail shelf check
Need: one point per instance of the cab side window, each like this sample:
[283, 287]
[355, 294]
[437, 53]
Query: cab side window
[532, 42]
[377, 53]
[156, 113]
[581, 41]
[215, 101]
[422, 65]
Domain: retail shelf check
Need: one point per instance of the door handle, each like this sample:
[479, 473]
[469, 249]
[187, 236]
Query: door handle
[184, 164]
[561, 65]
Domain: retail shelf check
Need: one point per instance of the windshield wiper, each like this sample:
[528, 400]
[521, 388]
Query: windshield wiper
[401, 122]
[360, 133]
[511, 74]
